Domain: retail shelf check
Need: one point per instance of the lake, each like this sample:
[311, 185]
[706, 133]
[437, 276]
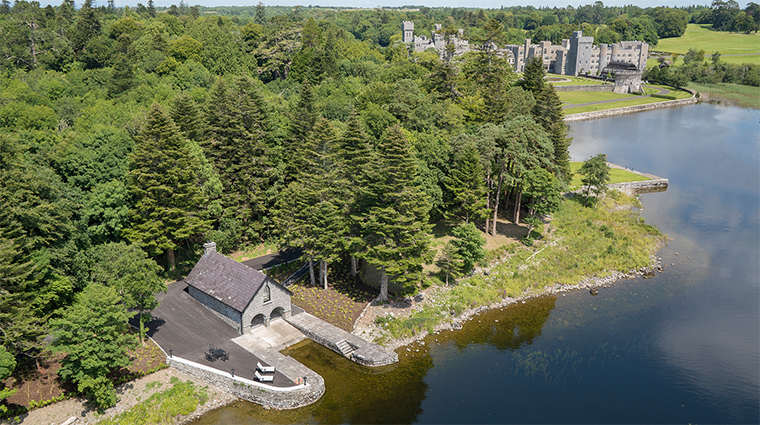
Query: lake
[683, 346]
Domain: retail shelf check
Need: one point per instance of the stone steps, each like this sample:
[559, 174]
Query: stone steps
[345, 348]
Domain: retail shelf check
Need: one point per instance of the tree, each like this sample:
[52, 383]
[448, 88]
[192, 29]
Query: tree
[302, 120]
[596, 174]
[355, 154]
[469, 242]
[450, 261]
[544, 193]
[533, 76]
[260, 17]
[492, 73]
[466, 183]
[94, 335]
[548, 112]
[136, 277]
[235, 142]
[163, 181]
[395, 230]
[7, 365]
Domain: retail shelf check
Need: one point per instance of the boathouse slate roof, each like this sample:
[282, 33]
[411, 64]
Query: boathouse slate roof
[225, 279]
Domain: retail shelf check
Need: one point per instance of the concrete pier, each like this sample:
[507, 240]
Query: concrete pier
[340, 341]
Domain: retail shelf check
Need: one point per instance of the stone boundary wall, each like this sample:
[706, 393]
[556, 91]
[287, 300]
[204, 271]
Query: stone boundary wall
[596, 87]
[281, 398]
[584, 116]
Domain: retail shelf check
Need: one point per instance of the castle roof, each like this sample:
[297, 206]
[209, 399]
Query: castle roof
[223, 278]
[625, 66]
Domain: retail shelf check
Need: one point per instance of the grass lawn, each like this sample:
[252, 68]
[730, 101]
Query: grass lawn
[745, 96]
[574, 81]
[701, 37]
[616, 176]
[577, 97]
[612, 105]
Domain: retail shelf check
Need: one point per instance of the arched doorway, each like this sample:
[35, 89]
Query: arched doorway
[258, 320]
[277, 313]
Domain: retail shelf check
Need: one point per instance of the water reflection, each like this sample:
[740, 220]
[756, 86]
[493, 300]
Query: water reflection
[681, 347]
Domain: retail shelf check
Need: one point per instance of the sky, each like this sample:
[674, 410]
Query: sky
[398, 3]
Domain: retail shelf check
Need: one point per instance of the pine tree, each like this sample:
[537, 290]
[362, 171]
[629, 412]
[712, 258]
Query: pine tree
[260, 17]
[187, 117]
[492, 73]
[466, 182]
[163, 182]
[316, 220]
[235, 143]
[302, 120]
[395, 230]
[548, 112]
[355, 154]
[533, 76]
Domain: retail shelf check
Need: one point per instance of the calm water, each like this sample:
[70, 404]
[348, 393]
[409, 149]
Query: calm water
[682, 347]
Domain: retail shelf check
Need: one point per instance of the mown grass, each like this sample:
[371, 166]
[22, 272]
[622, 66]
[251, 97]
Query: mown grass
[616, 176]
[574, 81]
[577, 97]
[744, 96]
[586, 242]
[702, 37]
[612, 105]
[162, 407]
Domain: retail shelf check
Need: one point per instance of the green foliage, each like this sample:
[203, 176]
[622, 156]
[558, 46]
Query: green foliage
[163, 181]
[469, 244]
[7, 365]
[93, 333]
[596, 174]
[162, 407]
[395, 230]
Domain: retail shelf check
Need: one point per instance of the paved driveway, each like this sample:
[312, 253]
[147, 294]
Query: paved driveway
[188, 328]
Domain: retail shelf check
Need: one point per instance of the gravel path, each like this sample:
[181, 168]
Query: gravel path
[129, 394]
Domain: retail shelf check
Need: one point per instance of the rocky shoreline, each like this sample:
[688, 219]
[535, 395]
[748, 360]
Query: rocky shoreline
[591, 284]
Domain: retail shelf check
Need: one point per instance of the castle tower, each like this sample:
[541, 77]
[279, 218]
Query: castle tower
[407, 31]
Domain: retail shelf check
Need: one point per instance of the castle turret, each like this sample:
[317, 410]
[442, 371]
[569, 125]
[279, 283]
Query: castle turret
[407, 31]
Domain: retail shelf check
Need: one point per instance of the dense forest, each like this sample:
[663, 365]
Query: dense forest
[130, 136]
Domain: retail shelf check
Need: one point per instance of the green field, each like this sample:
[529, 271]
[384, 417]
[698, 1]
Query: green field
[612, 105]
[577, 97]
[701, 37]
[745, 96]
[616, 176]
[574, 81]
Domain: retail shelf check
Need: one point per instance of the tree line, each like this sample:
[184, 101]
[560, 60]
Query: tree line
[129, 137]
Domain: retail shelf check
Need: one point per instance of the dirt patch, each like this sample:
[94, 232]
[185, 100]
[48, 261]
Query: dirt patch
[340, 304]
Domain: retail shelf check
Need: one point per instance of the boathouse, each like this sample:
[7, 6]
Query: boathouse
[241, 296]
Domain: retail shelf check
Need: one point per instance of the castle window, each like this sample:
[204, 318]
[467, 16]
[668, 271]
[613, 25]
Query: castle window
[267, 294]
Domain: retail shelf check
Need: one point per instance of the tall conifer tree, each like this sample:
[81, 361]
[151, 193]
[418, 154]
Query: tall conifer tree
[355, 153]
[395, 230]
[163, 182]
[235, 141]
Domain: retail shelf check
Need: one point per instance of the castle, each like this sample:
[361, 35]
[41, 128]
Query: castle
[437, 40]
[576, 55]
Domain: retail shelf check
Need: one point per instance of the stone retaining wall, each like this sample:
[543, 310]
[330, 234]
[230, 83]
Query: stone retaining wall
[595, 87]
[266, 395]
[629, 110]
